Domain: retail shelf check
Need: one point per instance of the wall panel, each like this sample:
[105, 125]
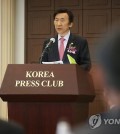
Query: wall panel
[96, 4]
[71, 4]
[40, 5]
[96, 23]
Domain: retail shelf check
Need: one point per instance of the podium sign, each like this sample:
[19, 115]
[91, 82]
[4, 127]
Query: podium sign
[44, 82]
[39, 95]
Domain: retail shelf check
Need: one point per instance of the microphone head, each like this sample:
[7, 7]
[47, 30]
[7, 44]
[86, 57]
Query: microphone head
[52, 40]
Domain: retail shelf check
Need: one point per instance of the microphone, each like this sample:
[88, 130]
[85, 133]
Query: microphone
[52, 40]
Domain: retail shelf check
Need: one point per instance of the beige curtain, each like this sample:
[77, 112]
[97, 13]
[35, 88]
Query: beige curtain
[7, 23]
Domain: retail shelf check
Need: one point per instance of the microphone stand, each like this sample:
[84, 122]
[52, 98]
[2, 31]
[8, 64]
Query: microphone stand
[52, 40]
[44, 51]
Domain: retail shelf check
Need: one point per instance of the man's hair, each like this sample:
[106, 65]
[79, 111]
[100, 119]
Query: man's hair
[64, 10]
[109, 59]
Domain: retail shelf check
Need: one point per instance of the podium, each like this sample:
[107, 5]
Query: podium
[39, 96]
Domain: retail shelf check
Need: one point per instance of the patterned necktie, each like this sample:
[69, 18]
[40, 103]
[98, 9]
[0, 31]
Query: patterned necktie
[61, 49]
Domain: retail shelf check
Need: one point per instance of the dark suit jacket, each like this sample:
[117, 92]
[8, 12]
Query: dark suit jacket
[111, 127]
[10, 128]
[81, 56]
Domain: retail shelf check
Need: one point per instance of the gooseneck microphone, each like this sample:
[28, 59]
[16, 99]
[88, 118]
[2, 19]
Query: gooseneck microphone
[52, 40]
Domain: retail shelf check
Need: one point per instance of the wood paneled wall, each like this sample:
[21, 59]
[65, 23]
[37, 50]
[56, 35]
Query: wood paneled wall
[93, 19]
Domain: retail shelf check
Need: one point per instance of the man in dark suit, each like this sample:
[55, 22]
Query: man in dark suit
[73, 46]
[109, 74]
[10, 128]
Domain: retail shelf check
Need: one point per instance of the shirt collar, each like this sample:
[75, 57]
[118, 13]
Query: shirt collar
[66, 37]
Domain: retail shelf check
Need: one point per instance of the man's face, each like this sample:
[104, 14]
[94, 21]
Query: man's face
[62, 23]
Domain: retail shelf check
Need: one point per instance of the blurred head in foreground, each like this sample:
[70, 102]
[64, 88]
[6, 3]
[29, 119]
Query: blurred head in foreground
[109, 66]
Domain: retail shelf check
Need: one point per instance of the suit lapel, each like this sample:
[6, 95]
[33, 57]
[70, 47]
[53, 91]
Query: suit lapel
[56, 52]
[70, 40]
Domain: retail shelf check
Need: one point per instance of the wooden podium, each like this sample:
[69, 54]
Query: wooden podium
[39, 96]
